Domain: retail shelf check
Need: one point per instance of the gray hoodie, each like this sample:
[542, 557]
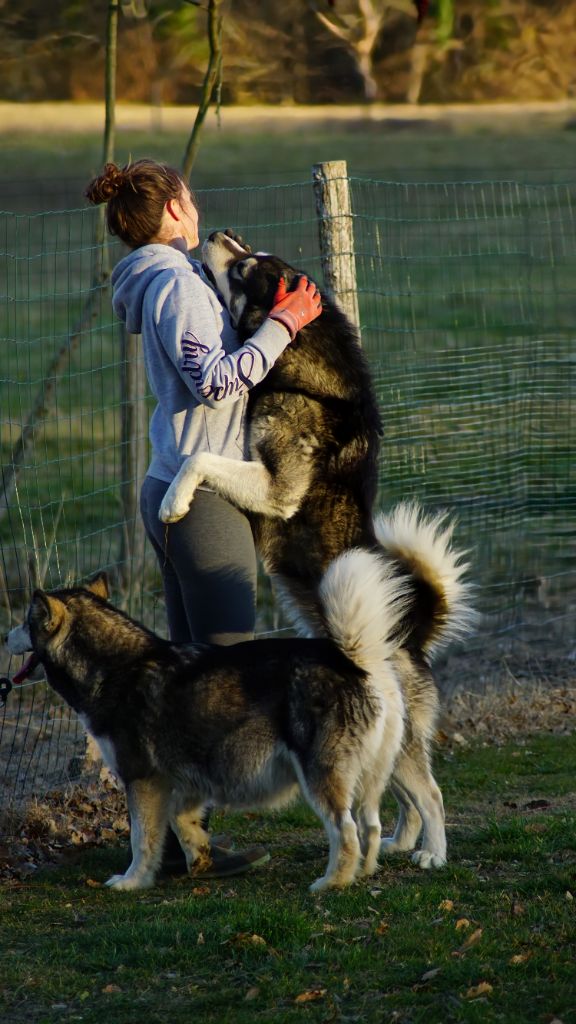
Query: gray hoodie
[196, 371]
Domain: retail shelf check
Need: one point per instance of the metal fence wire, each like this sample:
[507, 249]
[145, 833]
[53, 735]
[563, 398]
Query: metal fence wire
[466, 298]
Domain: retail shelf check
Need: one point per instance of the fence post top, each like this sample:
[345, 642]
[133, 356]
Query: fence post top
[330, 169]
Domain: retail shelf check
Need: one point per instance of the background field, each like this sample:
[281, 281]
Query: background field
[49, 150]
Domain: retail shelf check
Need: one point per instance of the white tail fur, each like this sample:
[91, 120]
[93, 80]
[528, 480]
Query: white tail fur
[424, 543]
[364, 604]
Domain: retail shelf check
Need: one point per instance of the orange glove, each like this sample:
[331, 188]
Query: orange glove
[298, 307]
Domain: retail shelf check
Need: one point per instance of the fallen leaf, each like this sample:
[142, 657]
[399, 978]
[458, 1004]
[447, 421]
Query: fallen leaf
[382, 928]
[483, 989]
[519, 958]
[517, 909]
[248, 939]
[111, 989]
[201, 890]
[462, 923]
[200, 941]
[446, 905]
[92, 884]
[252, 993]
[311, 995]
[472, 939]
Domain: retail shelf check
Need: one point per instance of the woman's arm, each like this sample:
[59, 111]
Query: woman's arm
[188, 329]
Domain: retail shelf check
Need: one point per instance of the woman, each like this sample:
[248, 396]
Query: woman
[201, 378]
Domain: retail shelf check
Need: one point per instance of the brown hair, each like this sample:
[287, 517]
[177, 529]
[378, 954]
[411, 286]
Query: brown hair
[136, 196]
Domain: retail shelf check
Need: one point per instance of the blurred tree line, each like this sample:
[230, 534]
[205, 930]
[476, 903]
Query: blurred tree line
[300, 51]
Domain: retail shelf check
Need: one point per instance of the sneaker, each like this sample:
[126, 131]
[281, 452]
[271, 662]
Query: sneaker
[222, 863]
[174, 861]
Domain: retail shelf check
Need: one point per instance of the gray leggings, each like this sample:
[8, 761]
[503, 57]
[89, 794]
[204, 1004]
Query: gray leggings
[208, 565]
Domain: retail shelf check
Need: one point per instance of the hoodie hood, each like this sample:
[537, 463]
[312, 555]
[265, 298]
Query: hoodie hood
[133, 274]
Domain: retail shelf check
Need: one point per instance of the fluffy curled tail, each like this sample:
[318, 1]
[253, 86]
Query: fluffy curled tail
[421, 546]
[364, 603]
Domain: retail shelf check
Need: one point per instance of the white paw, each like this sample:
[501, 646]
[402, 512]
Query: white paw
[392, 846]
[124, 883]
[426, 860]
[319, 885]
[368, 870]
[177, 500]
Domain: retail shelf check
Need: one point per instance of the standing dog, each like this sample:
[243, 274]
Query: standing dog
[248, 725]
[309, 491]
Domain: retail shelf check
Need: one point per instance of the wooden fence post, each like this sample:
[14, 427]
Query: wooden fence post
[336, 227]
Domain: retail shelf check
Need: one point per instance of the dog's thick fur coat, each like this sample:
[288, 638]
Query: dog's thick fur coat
[309, 491]
[185, 726]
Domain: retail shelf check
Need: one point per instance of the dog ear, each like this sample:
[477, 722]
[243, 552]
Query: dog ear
[99, 585]
[245, 266]
[47, 611]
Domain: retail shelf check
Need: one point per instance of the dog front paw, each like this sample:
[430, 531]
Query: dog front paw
[174, 507]
[426, 859]
[127, 882]
[179, 496]
[320, 884]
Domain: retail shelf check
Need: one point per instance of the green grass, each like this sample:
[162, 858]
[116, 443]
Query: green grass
[390, 949]
[233, 156]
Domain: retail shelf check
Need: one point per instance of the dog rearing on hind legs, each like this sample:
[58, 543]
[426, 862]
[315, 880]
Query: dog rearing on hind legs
[309, 491]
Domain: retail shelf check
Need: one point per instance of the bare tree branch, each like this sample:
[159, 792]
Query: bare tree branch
[211, 84]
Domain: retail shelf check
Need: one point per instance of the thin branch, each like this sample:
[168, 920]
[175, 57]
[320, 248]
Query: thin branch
[211, 84]
[110, 80]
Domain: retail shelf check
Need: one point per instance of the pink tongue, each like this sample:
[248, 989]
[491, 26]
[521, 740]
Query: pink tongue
[28, 667]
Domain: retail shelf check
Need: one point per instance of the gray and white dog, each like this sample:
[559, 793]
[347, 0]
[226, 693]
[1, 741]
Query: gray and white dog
[185, 726]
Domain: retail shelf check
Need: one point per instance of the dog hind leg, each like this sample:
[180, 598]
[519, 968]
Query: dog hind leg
[369, 829]
[186, 822]
[420, 805]
[329, 794]
[408, 826]
[344, 854]
[148, 801]
[373, 784]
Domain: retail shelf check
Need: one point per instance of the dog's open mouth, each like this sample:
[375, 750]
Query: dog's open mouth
[27, 669]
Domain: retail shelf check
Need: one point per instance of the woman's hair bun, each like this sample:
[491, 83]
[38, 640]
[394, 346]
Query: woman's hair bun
[108, 184]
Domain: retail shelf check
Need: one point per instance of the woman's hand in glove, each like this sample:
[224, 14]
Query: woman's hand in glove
[297, 308]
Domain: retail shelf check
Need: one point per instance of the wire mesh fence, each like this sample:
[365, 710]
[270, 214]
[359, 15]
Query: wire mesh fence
[466, 305]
